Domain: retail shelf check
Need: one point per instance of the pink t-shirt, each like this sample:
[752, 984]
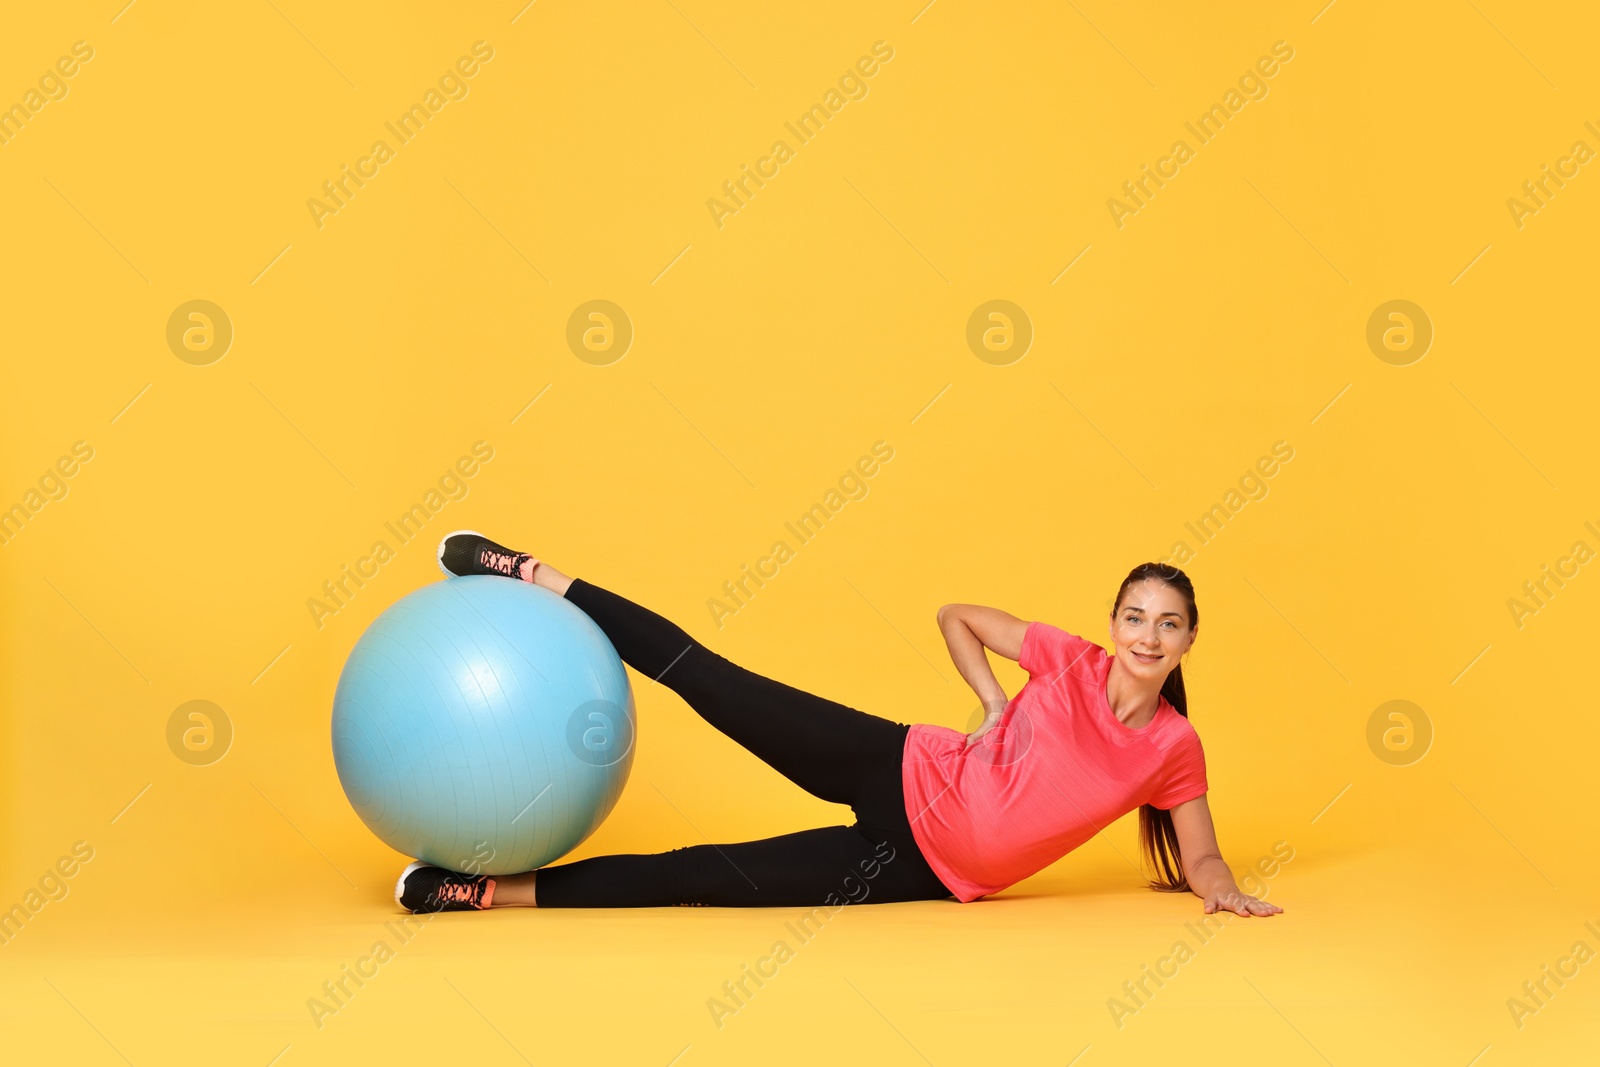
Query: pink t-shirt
[1057, 768]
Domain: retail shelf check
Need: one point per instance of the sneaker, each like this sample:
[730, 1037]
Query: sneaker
[423, 887]
[469, 552]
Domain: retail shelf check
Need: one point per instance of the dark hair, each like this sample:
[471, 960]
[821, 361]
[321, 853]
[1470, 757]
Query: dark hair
[1158, 841]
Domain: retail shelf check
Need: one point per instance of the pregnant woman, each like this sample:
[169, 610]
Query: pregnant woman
[939, 814]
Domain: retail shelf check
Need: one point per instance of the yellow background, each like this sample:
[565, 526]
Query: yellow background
[770, 353]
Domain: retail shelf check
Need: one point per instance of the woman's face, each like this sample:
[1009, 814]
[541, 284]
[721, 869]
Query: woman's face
[1151, 629]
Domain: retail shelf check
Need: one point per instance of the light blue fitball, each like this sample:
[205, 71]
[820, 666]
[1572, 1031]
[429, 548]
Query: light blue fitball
[483, 724]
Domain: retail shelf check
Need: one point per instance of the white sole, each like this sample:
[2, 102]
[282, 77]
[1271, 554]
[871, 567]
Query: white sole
[399, 886]
[448, 573]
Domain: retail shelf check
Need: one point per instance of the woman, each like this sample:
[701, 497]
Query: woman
[939, 813]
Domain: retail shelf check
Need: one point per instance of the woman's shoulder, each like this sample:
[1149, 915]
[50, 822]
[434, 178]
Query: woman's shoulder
[1049, 648]
[1179, 732]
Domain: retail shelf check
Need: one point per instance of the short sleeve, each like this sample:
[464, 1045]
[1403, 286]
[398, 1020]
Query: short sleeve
[1183, 773]
[1047, 649]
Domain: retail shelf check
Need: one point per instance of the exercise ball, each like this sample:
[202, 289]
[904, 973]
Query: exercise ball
[483, 724]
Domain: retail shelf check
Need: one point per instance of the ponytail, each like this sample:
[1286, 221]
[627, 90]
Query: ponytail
[1158, 839]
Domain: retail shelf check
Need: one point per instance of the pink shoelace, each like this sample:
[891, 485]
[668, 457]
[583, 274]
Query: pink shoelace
[460, 892]
[499, 562]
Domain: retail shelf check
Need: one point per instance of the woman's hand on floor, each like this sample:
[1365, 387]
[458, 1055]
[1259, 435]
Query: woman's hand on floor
[1240, 903]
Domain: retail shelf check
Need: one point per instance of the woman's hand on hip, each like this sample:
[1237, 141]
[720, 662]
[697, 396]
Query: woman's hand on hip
[992, 711]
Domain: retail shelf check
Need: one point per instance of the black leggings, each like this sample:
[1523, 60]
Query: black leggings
[836, 753]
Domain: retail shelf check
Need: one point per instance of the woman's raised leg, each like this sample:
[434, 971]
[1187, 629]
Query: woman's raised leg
[822, 746]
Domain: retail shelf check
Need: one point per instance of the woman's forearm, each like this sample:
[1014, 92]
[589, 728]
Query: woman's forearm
[968, 655]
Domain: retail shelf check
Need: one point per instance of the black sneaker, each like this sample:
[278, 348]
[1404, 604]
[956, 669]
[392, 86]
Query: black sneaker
[469, 552]
[423, 887]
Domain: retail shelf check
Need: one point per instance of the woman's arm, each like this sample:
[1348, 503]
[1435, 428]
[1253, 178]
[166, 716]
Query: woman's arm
[968, 629]
[1209, 877]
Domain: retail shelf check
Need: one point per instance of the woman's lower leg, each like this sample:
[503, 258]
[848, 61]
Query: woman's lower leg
[514, 890]
[545, 576]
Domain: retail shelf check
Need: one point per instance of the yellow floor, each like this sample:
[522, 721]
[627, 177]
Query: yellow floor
[1393, 953]
[229, 367]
